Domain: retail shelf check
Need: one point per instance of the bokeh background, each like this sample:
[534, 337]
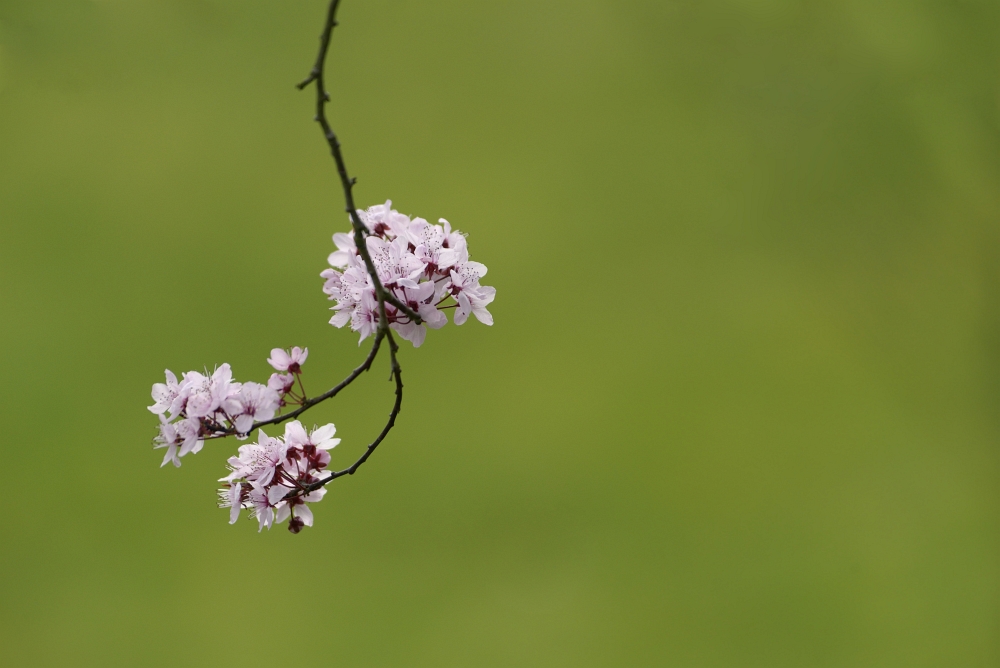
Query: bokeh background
[739, 407]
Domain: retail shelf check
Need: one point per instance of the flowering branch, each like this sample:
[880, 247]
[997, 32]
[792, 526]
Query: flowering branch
[392, 273]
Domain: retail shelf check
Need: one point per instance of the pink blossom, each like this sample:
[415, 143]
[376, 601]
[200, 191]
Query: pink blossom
[232, 497]
[394, 262]
[382, 220]
[475, 301]
[281, 382]
[257, 403]
[167, 438]
[285, 361]
[314, 446]
[203, 395]
[263, 503]
[257, 462]
[346, 250]
[365, 317]
[165, 396]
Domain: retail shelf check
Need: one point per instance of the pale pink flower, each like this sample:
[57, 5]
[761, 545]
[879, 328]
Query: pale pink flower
[365, 317]
[166, 395]
[394, 262]
[319, 437]
[472, 298]
[204, 394]
[333, 283]
[257, 403]
[232, 497]
[420, 299]
[419, 263]
[300, 513]
[189, 430]
[263, 503]
[313, 446]
[465, 276]
[475, 302]
[257, 462]
[343, 316]
[432, 246]
[167, 438]
[355, 283]
[281, 382]
[346, 250]
[453, 239]
[179, 438]
[285, 361]
[382, 220]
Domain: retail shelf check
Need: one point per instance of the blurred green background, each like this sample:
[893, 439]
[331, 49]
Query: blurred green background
[739, 407]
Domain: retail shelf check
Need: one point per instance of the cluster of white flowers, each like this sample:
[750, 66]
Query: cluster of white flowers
[204, 405]
[273, 477]
[421, 264]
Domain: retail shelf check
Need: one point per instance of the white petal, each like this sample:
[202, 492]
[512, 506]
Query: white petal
[341, 319]
[305, 514]
[171, 456]
[483, 316]
[277, 493]
[477, 267]
[323, 433]
[244, 424]
[295, 434]
[328, 444]
[279, 359]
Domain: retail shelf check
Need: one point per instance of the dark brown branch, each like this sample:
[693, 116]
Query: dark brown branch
[316, 75]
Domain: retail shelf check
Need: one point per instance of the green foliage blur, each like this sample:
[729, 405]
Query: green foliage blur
[739, 407]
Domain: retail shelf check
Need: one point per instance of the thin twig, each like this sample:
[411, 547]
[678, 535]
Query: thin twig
[397, 374]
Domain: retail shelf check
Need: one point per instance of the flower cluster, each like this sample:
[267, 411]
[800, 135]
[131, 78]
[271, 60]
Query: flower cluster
[276, 478]
[421, 264]
[204, 405]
